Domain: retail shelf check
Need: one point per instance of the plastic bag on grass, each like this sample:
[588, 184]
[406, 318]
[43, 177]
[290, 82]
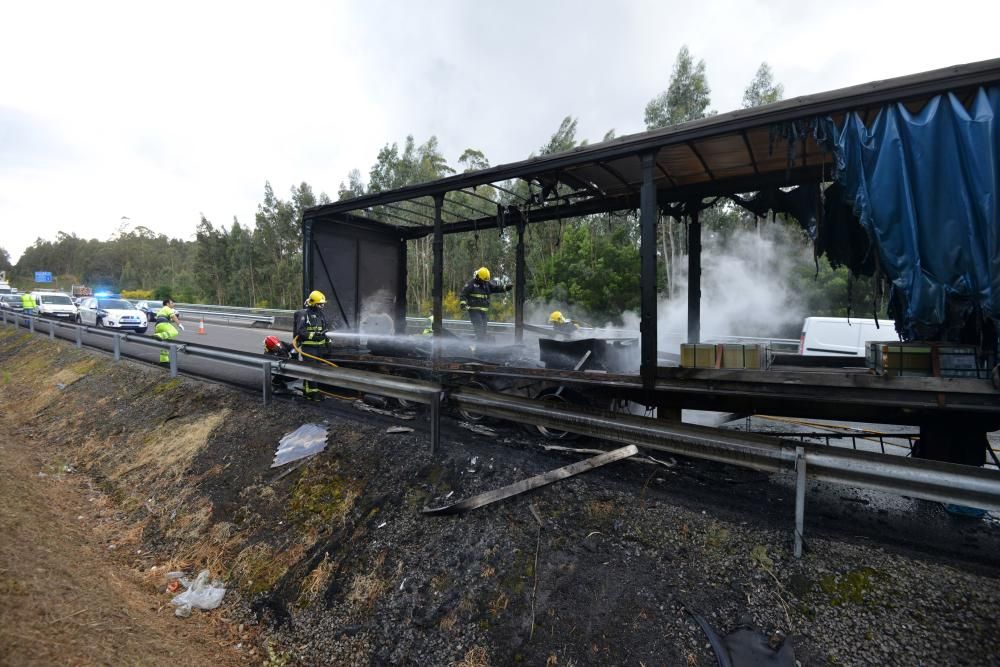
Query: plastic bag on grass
[201, 594]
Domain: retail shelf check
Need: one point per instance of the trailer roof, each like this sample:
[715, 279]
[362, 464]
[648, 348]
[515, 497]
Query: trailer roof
[739, 151]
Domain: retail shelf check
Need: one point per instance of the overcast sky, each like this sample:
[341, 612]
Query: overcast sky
[160, 112]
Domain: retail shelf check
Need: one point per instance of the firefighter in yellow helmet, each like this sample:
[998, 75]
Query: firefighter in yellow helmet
[475, 298]
[309, 328]
[561, 325]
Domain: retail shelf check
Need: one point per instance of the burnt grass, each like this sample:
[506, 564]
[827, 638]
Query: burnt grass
[332, 561]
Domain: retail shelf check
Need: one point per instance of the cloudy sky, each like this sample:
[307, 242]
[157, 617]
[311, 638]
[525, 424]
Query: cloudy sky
[160, 112]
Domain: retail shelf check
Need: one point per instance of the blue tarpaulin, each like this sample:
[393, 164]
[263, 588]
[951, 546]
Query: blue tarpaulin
[924, 186]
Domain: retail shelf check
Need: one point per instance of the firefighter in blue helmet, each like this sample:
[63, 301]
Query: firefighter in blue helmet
[475, 298]
[309, 328]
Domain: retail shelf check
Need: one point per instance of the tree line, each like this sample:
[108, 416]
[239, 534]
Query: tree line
[589, 263]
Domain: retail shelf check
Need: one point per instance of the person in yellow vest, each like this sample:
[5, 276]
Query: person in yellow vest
[166, 318]
[28, 303]
[309, 326]
[429, 329]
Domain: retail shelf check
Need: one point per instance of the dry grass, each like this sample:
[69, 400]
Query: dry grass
[474, 657]
[498, 605]
[169, 453]
[487, 571]
[63, 600]
[316, 581]
[602, 512]
[366, 589]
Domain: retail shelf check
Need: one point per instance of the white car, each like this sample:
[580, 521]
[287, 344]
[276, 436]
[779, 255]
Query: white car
[112, 313]
[54, 304]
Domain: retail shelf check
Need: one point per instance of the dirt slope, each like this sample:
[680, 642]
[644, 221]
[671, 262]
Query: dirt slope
[339, 565]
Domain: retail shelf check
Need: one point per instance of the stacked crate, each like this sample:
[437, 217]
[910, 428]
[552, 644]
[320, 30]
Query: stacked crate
[723, 355]
[924, 360]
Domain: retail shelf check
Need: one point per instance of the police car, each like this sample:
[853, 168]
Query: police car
[111, 312]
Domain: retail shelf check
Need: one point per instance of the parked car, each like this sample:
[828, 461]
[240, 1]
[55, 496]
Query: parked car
[150, 308]
[54, 304]
[11, 302]
[113, 313]
[842, 336]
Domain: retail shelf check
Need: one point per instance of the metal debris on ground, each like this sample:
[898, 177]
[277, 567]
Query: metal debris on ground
[364, 407]
[399, 429]
[476, 428]
[586, 450]
[304, 441]
[535, 482]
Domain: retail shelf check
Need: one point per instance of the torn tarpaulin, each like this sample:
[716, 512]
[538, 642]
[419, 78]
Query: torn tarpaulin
[304, 441]
[745, 646]
[925, 185]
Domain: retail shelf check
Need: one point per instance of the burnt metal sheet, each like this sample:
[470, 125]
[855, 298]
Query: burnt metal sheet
[357, 265]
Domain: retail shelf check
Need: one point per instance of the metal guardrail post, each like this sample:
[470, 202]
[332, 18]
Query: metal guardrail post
[173, 360]
[800, 498]
[435, 416]
[31, 324]
[266, 382]
[118, 347]
[79, 336]
[4, 312]
[52, 329]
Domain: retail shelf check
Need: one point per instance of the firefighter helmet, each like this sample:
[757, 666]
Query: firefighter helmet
[557, 318]
[272, 343]
[316, 298]
[483, 273]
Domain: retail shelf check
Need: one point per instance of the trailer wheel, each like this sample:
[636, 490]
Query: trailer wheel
[554, 395]
[469, 415]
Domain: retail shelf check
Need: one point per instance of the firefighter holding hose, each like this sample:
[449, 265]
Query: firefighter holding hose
[309, 327]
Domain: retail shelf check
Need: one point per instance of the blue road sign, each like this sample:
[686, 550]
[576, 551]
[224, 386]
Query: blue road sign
[43, 276]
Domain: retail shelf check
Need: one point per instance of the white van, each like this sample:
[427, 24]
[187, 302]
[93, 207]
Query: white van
[840, 335]
[55, 304]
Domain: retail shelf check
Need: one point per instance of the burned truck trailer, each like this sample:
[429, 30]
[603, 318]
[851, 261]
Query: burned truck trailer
[837, 162]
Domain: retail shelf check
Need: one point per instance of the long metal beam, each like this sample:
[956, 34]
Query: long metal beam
[795, 176]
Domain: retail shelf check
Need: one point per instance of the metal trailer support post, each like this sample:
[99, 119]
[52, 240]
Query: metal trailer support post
[438, 268]
[519, 284]
[400, 315]
[266, 382]
[307, 262]
[694, 278]
[800, 498]
[647, 272]
[118, 346]
[173, 360]
[435, 417]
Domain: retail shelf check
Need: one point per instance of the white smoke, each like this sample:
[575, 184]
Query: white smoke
[746, 287]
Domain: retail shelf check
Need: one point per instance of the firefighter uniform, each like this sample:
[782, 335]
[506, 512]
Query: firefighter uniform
[475, 298]
[310, 327]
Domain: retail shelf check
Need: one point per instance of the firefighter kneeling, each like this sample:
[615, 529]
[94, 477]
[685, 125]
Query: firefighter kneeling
[276, 347]
[309, 328]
